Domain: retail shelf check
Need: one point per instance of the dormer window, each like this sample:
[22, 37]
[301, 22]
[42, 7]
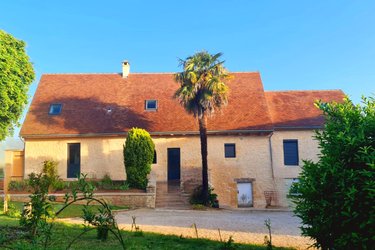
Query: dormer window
[151, 105]
[55, 109]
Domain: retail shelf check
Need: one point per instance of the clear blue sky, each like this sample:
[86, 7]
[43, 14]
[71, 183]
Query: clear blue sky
[294, 44]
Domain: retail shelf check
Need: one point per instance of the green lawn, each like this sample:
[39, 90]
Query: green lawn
[73, 210]
[12, 236]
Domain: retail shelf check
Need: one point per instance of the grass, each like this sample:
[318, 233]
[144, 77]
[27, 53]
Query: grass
[74, 210]
[14, 237]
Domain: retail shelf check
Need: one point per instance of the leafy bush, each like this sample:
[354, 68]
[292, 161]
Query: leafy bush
[197, 197]
[50, 171]
[106, 182]
[336, 195]
[35, 217]
[138, 157]
[21, 185]
[59, 185]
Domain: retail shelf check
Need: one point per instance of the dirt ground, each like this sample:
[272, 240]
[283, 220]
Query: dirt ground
[243, 226]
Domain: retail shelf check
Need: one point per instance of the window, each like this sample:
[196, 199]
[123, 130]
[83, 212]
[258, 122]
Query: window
[151, 105]
[155, 160]
[230, 150]
[55, 109]
[291, 152]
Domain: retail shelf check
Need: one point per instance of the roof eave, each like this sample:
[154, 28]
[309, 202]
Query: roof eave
[160, 133]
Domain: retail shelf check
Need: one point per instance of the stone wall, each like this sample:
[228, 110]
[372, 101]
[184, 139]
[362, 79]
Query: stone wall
[283, 175]
[133, 200]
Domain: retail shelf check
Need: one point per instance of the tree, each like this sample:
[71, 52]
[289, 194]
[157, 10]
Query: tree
[336, 195]
[138, 155]
[202, 92]
[16, 74]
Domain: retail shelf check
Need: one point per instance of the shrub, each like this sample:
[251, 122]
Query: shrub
[138, 157]
[336, 194]
[50, 171]
[59, 185]
[106, 182]
[21, 185]
[197, 197]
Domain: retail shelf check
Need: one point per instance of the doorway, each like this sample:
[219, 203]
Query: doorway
[174, 165]
[74, 160]
[245, 194]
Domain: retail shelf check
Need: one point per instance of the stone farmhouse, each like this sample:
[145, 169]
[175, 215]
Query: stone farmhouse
[255, 145]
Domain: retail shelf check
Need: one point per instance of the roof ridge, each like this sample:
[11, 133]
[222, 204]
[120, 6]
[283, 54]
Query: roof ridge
[136, 73]
[306, 90]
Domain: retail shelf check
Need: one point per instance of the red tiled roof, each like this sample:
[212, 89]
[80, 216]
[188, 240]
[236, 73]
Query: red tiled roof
[87, 97]
[296, 109]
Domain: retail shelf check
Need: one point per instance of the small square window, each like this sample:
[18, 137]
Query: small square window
[55, 109]
[230, 150]
[151, 105]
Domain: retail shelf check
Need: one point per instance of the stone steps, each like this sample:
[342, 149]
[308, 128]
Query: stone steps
[169, 196]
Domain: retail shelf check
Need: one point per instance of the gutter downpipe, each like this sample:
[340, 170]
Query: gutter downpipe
[271, 153]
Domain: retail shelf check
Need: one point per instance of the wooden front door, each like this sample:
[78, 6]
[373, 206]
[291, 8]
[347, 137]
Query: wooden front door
[74, 160]
[174, 165]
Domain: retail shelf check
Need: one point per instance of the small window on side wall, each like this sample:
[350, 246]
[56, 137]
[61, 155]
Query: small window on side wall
[151, 105]
[230, 150]
[291, 152]
[155, 160]
[55, 109]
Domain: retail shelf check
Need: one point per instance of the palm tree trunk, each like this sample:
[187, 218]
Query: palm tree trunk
[203, 137]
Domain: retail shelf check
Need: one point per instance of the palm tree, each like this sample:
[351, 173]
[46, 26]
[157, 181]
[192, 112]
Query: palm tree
[202, 92]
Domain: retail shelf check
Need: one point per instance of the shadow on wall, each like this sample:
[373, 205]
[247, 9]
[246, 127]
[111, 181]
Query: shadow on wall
[83, 115]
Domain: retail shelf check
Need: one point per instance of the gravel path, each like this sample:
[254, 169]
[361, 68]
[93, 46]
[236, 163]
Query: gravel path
[243, 226]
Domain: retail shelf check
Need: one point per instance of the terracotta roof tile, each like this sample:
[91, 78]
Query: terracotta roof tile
[296, 108]
[86, 99]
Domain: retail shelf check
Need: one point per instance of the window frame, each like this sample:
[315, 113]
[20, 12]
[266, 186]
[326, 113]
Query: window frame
[289, 163]
[226, 155]
[151, 109]
[51, 108]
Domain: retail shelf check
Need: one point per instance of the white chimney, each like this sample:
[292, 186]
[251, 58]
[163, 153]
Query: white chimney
[125, 69]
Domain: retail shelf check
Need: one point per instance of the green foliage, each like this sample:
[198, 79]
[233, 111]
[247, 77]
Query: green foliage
[268, 239]
[16, 74]
[18, 185]
[197, 197]
[228, 245]
[138, 157]
[50, 171]
[202, 84]
[34, 218]
[106, 182]
[59, 185]
[336, 195]
[13, 211]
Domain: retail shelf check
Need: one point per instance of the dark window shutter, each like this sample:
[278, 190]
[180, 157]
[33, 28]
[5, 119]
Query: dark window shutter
[155, 160]
[291, 152]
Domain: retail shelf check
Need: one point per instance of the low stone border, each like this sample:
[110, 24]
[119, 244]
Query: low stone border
[138, 200]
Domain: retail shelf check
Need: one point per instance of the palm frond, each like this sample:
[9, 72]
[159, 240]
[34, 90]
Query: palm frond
[202, 83]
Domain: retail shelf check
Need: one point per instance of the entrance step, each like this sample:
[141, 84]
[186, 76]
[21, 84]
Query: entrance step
[169, 196]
